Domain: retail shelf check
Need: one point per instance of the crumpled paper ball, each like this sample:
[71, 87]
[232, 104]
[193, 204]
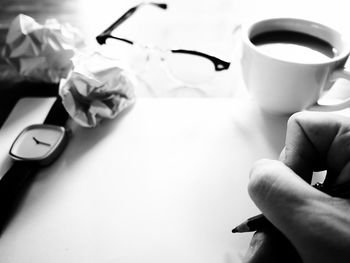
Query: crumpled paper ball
[41, 52]
[96, 89]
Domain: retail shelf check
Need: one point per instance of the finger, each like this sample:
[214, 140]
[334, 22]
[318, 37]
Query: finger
[317, 141]
[279, 192]
[302, 213]
[343, 177]
[270, 245]
[283, 197]
[338, 158]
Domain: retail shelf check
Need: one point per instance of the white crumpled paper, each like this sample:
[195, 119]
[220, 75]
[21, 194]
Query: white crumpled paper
[41, 52]
[97, 88]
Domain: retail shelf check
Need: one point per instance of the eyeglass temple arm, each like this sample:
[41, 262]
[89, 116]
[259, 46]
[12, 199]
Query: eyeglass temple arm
[218, 63]
[118, 38]
[101, 38]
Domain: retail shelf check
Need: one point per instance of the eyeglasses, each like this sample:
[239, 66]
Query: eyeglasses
[187, 66]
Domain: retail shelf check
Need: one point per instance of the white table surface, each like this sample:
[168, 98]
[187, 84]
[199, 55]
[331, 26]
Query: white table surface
[167, 180]
[164, 182]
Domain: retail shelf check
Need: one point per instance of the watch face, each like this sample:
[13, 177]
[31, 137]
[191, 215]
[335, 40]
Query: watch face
[41, 143]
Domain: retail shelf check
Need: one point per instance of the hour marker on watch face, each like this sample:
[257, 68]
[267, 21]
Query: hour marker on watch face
[40, 142]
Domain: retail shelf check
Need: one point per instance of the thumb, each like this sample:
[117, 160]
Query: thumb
[284, 198]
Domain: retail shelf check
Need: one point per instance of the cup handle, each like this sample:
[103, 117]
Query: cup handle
[338, 74]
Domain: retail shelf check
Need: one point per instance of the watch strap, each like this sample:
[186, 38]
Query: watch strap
[57, 114]
[12, 188]
[18, 176]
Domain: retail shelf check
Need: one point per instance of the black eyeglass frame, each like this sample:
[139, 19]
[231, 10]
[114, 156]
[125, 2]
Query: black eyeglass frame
[219, 64]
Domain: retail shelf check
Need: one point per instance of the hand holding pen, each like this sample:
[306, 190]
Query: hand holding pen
[314, 226]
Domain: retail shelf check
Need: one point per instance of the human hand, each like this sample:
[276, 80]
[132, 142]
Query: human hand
[314, 223]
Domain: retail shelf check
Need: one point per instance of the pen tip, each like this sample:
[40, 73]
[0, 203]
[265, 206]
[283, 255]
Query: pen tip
[235, 230]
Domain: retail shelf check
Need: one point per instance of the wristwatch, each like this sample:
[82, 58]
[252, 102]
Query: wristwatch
[40, 143]
[36, 146]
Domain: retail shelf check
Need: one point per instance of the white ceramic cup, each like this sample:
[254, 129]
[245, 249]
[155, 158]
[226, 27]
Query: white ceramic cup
[283, 86]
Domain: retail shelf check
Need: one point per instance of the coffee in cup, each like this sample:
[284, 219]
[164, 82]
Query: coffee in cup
[288, 63]
[294, 46]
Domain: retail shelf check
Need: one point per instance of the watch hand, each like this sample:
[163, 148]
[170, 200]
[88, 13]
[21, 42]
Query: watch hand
[40, 142]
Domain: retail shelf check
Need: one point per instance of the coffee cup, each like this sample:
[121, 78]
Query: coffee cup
[288, 64]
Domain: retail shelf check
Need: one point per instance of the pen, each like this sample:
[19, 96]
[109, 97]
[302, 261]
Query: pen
[260, 221]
